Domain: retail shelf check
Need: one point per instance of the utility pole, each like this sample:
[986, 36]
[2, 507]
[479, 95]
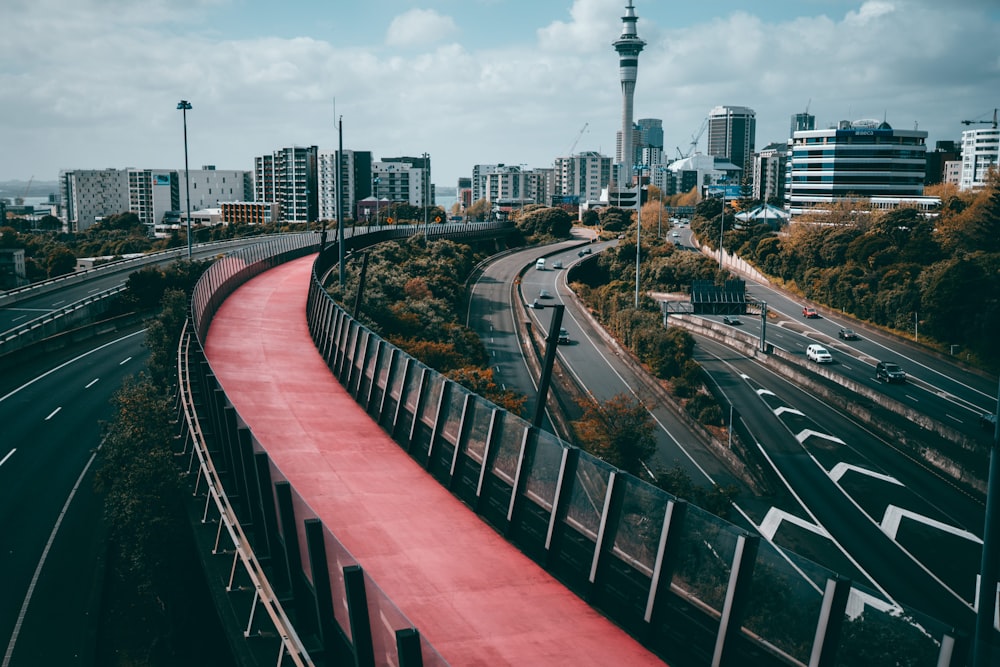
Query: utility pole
[989, 569]
[340, 199]
[551, 344]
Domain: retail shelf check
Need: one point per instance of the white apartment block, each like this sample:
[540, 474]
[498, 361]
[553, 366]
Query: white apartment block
[980, 150]
[399, 182]
[353, 165]
[479, 173]
[581, 177]
[90, 195]
[152, 193]
[513, 186]
[210, 187]
[289, 178]
[863, 159]
[952, 172]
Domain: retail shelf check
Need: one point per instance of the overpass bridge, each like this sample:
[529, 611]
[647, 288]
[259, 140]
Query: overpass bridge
[370, 511]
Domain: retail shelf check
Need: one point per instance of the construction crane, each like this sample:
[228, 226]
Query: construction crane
[695, 138]
[976, 122]
[577, 140]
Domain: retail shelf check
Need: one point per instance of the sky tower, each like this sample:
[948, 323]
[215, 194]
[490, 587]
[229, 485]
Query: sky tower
[628, 47]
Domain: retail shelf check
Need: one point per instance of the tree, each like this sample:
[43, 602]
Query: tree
[614, 219]
[60, 262]
[547, 222]
[619, 431]
[480, 210]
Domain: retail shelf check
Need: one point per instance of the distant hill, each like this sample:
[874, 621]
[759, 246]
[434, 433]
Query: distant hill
[11, 189]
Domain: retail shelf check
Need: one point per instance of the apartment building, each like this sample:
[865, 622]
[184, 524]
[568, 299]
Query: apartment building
[862, 159]
[289, 177]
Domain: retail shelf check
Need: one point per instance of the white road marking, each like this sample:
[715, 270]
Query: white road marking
[92, 383]
[53, 413]
[842, 469]
[9, 454]
[774, 518]
[41, 561]
[125, 361]
[808, 433]
[784, 409]
[894, 516]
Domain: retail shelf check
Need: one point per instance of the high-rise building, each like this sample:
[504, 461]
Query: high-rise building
[289, 177]
[731, 133]
[863, 159]
[769, 172]
[355, 174]
[152, 193]
[89, 195]
[980, 151]
[581, 178]
[802, 122]
[628, 46]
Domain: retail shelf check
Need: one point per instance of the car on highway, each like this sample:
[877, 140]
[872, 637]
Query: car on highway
[563, 337]
[988, 421]
[557, 264]
[847, 334]
[585, 251]
[732, 320]
[675, 234]
[819, 354]
[809, 313]
[544, 294]
[890, 373]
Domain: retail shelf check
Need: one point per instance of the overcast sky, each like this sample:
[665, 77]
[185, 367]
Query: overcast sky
[91, 84]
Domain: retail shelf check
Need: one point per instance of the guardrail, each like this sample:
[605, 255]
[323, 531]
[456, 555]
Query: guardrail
[10, 297]
[688, 585]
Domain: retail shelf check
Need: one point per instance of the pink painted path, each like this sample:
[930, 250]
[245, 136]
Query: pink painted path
[476, 599]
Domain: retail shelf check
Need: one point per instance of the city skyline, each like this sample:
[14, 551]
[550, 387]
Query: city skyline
[95, 84]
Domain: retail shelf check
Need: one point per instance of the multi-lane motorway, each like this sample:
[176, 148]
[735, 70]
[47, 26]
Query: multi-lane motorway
[852, 501]
[51, 535]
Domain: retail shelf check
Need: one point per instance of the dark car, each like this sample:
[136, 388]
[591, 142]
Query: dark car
[732, 319]
[563, 337]
[886, 371]
[988, 421]
[585, 251]
[847, 334]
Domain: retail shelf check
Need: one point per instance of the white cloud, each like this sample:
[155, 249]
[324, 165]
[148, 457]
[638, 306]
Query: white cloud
[419, 26]
[95, 85]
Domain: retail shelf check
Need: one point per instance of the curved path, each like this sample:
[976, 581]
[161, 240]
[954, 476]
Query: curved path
[476, 598]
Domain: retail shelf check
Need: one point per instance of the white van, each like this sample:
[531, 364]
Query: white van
[819, 354]
[540, 264]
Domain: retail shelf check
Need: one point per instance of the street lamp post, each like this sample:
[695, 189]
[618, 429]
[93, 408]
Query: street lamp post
[638, 229]
[375, 181]
[722, 227]
[184, 105]
[426, 188]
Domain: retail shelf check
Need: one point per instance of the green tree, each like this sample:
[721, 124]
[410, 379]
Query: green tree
[614, 219]
[619, 431]
[60, 262]
[480, 210]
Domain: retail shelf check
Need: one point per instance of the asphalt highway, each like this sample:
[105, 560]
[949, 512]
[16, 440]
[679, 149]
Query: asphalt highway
[51, 530]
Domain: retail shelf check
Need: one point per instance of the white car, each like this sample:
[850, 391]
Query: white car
[819, 354]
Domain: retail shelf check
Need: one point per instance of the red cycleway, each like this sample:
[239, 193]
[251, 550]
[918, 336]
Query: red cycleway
[476, 598]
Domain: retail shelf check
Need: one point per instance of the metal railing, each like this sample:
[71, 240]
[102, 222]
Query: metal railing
[690, 586]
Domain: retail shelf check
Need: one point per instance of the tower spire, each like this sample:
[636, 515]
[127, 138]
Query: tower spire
[628, 47]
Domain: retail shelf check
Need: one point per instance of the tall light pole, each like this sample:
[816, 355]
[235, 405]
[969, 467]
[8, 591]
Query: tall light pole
[184, 105]
[427, 190]
[375, 181]
[722, 226]
[638, 229]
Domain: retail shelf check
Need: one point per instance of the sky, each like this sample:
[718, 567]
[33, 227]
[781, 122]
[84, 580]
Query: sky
[94, 84]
